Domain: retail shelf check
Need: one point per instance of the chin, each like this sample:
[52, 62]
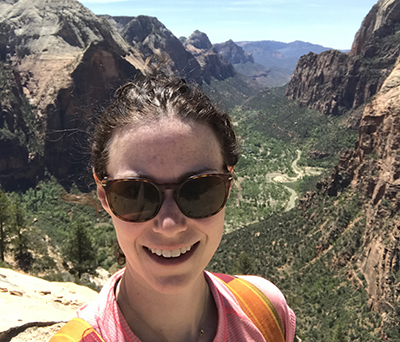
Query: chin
[173, 284]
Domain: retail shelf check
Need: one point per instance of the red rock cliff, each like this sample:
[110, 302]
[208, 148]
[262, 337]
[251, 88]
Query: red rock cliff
[333, 82]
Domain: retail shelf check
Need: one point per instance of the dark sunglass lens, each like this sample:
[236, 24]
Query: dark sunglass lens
[134, 200]
[202, 197]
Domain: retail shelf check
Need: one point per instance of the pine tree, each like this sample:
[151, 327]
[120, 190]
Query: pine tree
[18, 229]
[245, 264]
[337, 334]
[79, 250]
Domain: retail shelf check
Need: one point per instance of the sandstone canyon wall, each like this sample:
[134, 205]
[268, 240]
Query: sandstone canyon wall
[333, 82]
[372, 171]
[65, 61]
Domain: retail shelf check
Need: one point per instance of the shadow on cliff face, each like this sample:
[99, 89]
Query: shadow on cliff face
[71, 117]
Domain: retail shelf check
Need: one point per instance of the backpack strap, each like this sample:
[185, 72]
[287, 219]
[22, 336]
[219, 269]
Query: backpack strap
[256, 305]
[76, 330]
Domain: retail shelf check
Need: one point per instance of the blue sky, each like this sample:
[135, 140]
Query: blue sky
[331, 23]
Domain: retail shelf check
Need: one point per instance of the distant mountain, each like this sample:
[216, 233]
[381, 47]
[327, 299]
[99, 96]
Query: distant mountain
[244, 64]
[278, 54]
[233, 52]
[269, 63]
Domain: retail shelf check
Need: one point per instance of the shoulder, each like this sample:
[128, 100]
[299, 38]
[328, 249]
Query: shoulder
[277, 298]
[268, 288]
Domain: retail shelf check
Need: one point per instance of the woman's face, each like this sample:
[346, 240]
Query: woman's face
[166, 151]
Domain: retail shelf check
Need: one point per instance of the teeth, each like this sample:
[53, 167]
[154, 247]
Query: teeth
[170, 254]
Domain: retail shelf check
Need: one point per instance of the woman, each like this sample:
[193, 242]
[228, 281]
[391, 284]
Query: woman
[163, 158]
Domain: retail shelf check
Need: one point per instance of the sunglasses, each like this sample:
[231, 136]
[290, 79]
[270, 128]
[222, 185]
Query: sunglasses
[140, 199]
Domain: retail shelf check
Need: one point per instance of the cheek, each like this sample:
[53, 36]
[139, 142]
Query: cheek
[214, 226]
[127, 233]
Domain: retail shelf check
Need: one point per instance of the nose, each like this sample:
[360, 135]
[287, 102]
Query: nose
[169, 220]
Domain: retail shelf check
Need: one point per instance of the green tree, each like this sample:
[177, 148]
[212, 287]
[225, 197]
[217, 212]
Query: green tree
[4, 206]
[79, 250]
[18, 228]
[337, 333]
[245, 264]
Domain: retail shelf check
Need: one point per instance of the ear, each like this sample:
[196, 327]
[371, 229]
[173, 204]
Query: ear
[230, 169]
[101, 195]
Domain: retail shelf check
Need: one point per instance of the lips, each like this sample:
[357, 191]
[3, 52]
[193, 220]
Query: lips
[171, 257]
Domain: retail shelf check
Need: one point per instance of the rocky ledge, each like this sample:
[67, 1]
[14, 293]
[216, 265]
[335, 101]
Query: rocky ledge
[33, 308]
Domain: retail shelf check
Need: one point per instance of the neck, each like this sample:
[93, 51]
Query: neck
[190, 315]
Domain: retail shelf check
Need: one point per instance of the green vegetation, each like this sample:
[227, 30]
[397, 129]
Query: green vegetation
[270, 138]
[254, 195]
[42, 220]
[305, 254]
[322, 138]
[78, 249]
[23, 242]
[4, 217]
[17, 120]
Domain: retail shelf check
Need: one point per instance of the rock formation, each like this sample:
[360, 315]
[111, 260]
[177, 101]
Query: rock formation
[212, 63]
[233, 53]
[65, 60]
[333, 82]
[154, 40]
[36, 308]
[193, 58]
[372, 171]
[19, 160]
[67, 63]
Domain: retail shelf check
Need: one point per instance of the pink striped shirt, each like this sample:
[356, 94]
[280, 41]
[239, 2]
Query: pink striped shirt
[105, 316]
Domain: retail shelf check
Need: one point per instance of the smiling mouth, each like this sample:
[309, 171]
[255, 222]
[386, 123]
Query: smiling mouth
[170, 253]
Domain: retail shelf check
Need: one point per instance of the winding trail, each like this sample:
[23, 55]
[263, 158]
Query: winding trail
[300, 172]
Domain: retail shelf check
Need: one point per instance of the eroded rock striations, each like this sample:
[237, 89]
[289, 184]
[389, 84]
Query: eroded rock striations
[155, 41]
[65, 60]
[333, 82]
[372, 172]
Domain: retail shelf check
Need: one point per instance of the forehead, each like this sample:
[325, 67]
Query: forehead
[164, 150]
